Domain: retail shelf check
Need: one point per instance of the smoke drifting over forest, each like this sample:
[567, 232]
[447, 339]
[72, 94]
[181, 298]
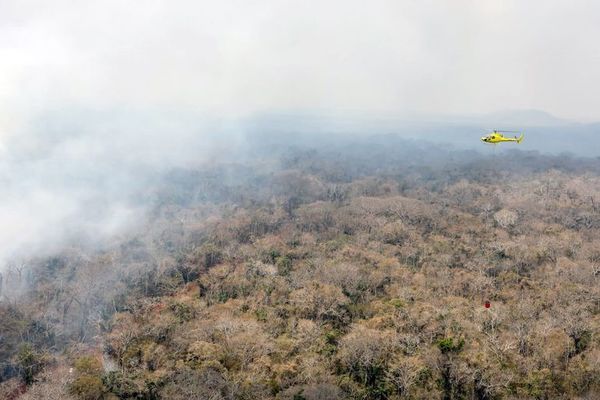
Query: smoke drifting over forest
[86, 176]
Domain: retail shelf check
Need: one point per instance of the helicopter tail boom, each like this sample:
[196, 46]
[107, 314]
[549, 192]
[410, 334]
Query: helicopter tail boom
[520, 138]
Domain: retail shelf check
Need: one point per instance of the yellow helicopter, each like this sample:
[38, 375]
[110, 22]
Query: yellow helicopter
[498, 137]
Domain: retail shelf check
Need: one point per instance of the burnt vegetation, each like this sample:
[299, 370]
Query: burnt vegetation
[349, 271]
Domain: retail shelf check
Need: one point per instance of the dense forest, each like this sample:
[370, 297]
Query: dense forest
[356, 269]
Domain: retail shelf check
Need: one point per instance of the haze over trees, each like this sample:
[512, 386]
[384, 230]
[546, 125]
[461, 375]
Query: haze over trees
[352, 270]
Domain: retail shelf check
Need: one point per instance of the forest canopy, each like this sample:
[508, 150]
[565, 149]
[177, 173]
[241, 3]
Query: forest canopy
[354, 269]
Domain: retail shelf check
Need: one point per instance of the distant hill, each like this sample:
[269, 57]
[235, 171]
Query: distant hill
[525, 118]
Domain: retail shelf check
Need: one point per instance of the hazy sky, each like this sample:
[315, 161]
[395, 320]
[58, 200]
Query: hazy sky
[238, 57]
